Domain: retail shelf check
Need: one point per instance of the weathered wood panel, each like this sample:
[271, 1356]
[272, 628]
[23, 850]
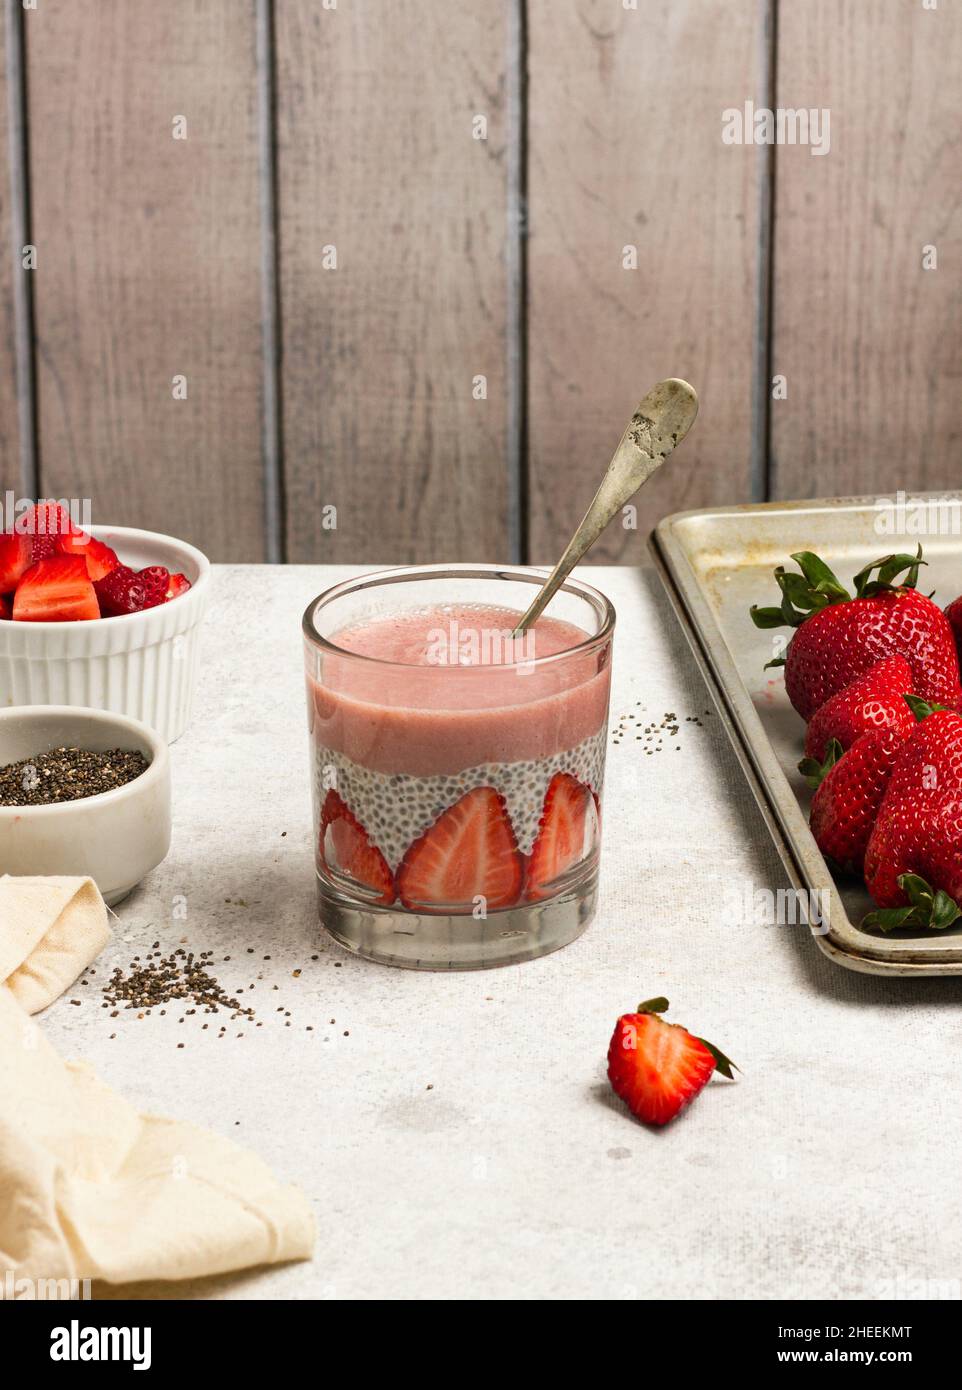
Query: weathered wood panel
[868, 340]
[625, 124]
[10, 478]
[148, 263]
[381, 354]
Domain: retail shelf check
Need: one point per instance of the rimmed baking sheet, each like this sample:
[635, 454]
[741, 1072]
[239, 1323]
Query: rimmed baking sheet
[714, 565]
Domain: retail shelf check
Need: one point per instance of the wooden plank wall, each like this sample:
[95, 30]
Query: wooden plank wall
[149, 263]
[378, 163]
[618, 161]
[868, 340]
[10, 466]
[453, 384]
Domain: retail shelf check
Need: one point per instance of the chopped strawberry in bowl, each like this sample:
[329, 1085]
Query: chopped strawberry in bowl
[100, 616]
[46, 533]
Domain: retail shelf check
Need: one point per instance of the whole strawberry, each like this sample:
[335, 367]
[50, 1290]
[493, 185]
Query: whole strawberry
[839, 637]
[849, 790]
[874, 701]
[658, 1068]
[954, 615]
[913, 862]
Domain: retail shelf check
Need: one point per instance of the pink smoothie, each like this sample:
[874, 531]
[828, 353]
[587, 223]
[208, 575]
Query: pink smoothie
[441, 689]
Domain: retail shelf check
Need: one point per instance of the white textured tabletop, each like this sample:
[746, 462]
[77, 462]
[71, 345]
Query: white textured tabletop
[456, 1133]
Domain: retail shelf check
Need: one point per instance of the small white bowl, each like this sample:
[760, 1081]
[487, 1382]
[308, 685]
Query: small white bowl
[143, 665]
[116, 837]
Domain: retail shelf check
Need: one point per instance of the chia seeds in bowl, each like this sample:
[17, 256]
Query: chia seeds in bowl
[68, 774]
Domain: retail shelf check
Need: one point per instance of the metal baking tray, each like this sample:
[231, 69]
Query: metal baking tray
[714, 565]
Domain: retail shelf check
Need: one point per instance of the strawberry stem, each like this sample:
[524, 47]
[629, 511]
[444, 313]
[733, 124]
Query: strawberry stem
[658, 1005]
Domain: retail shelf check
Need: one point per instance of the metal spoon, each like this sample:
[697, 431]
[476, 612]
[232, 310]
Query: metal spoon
[657, 427]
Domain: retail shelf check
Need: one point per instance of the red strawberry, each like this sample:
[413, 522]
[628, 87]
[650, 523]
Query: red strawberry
[43, 547]
[179, 584]
[656, 1067]
[568, 830]
[874, 701]
[47, 519]
[46, 525]
[469, 852]
[839, 638]
[99, 556]
[124, 590]
[14, 560]
[917, 838]
[850, 786]
[345, 845]
[56, 591]
[954, 615]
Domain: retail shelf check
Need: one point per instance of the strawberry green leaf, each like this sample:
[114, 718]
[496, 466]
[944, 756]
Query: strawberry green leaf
[658, 1005]
[819, 576]
[889, 568]
[891, 918]
[798, 591]
[919, 892]
[814, 771]
[722, 1063]
[945, 911]
[766, 617]
[802, 594]
[932, 909]
[921, 708]
[775, 661]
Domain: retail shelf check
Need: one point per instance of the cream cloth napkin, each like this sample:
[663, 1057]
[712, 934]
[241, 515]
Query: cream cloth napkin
[91, 1187]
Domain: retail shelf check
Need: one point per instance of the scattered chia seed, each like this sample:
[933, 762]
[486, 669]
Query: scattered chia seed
[652, 735]
[163, 979]
[68, 774]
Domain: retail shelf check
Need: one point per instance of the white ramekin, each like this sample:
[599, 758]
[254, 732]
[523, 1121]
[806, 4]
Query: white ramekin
[143, 665]
[115, 838]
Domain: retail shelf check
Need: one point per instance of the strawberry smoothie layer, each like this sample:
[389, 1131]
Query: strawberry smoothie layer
[436, 692]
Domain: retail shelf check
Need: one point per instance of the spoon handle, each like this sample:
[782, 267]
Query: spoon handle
[657, 427]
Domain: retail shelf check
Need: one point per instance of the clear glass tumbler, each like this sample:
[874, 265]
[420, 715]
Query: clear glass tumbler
[457, 770]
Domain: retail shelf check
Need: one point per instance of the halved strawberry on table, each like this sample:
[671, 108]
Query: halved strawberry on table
[57, 590]
[345, 845]
[657, 1067]
[567, 832]
[839, 637]
[874, 701]
[469, 855]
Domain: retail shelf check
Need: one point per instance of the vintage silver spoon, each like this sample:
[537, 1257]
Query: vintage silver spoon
[657, 427]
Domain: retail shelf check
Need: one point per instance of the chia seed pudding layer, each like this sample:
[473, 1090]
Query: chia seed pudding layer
[395, 808]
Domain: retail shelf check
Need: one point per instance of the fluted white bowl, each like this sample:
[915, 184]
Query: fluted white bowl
[143, 665]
